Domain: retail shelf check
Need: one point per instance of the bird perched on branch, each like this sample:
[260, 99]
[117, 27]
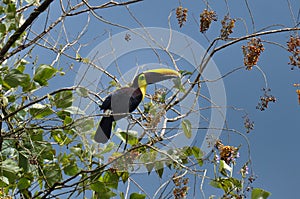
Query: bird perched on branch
[125, 100]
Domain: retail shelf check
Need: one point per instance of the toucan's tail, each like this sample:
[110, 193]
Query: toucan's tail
[104, 130]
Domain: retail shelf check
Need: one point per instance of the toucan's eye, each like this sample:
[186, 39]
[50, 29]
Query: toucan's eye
[142, 77]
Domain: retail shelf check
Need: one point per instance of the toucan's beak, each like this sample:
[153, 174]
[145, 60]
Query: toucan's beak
[157, 75]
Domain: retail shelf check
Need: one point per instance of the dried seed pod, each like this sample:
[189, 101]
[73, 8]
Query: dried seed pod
[252, 52]
[206, 17]
[227, 27]
[294, 47]
[181, 15]
[264, 100]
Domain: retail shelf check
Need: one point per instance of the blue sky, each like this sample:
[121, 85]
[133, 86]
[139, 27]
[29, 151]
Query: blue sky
[274, 141]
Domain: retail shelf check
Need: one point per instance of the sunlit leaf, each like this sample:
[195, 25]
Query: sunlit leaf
[63, 99]
[23, 183]
[224, 167]
[9, 169]
[52, 174]
[130, 136]
[39, 111]
[15, 78]
[258, 193]
[83, 92]
[137, 196]
[159, 168]
[187, 128]
[43, 73]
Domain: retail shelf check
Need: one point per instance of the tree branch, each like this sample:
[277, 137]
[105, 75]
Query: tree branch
[23, 27]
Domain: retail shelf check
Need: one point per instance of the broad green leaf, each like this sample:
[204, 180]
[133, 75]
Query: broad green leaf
[43, 73]
[60, 137]
[258, 193]
[74, 110]
[130, 136]
[23, 162]
[63, 99]
[224, 167]
[137, 196]
[187, 128]
[99, 187]
[216, 184]
[71, 169]
[124, 175]
[9, 169]
[23, 183]
[110, 146]
[39, 111]
[2, 28]
[159, 168]
[198, 155]
[122, 196]
[84, 125]
[15, 78]
[52, 174]
[178, 85]
[4, 181]
[83, 92]
[110, 179]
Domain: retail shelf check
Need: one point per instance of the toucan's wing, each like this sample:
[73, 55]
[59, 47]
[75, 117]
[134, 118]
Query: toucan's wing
[106, 103]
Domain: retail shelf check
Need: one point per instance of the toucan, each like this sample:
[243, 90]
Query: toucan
[125, 100]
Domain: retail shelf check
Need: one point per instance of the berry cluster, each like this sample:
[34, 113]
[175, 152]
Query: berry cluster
[248, 124]
[252, 52]
[122, 162]
[181, 189]
[154, 115]
[206, 17]
[181, 15]
[227, 27]
[294, 47]
[264, 100]
[227, 153]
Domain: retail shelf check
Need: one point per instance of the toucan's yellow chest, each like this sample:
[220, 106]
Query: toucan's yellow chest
[143, 90]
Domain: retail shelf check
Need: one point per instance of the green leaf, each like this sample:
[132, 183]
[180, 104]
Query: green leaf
[71, 169]
[258, 193]
[83, 92]
[9, 169]
[74, 110]
[23, 162]
[39, 111]
[2, 28]
[63, 99]
[43, 73]
[4, 181]
[110, 146]
[198, 154]
[130, 136]
[15, 78]
[124, 176]
[159, 168]
[84, 125]
[23, 183]
[111, 180]
[60, 137]
[137, 196]
[187, 128]
[52, 174]
[216, 184]
[122, 195]
[178, 85]
[223, 168]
